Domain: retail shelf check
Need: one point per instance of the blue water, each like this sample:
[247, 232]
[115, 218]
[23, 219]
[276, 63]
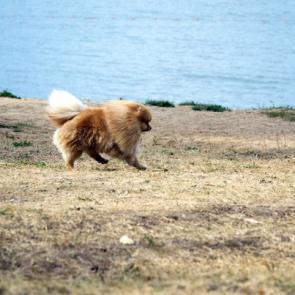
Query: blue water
[237, 53]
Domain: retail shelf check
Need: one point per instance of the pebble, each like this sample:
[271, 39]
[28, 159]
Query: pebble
[125, 240]
[251, 220]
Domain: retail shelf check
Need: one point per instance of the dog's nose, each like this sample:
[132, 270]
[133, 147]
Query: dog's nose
[148, 128]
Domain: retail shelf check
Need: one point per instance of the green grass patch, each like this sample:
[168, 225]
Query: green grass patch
[6, 93]
[17, 127]
[150, 240]
[23, 162]
[209, 107]
[286, 113]
[22, 143]
[39, 164]
[160, 103]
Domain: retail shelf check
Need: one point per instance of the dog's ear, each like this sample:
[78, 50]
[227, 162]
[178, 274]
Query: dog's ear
[140, 109]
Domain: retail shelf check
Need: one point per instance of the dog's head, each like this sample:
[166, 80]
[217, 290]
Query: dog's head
[144, 117]
[135, 114]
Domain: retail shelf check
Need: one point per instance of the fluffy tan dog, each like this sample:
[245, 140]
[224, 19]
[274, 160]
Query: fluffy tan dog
[113, 128]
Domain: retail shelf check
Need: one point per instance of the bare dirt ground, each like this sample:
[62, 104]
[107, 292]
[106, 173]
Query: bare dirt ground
[214, 213]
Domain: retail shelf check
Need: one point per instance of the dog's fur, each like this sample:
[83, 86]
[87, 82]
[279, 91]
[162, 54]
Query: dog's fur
[113, 128]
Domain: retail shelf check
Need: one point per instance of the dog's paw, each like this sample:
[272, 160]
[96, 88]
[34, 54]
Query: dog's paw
[141, 167]
[104, 161]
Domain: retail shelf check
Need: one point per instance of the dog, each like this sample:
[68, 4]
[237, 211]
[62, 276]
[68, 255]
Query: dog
[113, 128]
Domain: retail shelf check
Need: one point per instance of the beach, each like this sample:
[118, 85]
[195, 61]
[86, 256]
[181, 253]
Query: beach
[213, 213]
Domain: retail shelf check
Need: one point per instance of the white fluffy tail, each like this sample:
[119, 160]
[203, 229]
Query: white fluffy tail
[63, 106]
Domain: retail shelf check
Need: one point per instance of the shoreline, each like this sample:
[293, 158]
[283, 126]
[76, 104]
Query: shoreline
[93, 102]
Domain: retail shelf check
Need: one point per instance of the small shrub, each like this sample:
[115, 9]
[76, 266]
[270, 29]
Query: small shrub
[286, 113]
[188, 103]
[209, 107]
[6, 93]
[22, 143]
[160, 103]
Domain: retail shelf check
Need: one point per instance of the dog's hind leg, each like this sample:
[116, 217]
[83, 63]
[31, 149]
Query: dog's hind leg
[70, 157]
[96, 156]
[69, 153]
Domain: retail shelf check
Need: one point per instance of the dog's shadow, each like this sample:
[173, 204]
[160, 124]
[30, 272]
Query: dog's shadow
[106, 168]
[109, 169]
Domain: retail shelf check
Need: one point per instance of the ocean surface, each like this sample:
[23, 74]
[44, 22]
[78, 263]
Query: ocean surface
[237, 53]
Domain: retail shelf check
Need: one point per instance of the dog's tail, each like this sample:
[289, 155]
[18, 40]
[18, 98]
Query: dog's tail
[63, 106]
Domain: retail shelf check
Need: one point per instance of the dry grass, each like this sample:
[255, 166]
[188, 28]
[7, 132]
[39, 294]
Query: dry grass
[213, 214]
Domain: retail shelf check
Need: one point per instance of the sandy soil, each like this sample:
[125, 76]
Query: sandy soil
[214, 213]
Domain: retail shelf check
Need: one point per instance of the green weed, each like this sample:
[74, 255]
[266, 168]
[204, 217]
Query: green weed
[22, 143]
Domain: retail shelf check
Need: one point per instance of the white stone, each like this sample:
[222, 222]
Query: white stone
[125, 240]
[251, 220]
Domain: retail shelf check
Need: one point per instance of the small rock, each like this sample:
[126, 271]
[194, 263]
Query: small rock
[13, 200]
[251, 220]
[125, 240]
